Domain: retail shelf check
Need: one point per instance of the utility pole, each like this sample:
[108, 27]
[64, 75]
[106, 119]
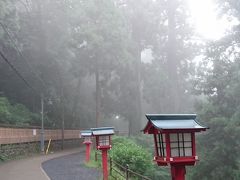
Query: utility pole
[172, 59]
[63, 125]
[42, 124]
[63, 114]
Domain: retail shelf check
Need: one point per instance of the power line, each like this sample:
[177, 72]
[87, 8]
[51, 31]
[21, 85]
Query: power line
[26, 82]
[20, 53]
[17, 72]
[23, 58]
[42, 98]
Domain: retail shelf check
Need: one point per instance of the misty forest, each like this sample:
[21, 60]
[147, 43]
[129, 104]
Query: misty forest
[109, 62]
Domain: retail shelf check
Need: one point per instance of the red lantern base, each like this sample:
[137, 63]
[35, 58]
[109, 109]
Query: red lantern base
[178, 172]
[105, 164]
[88, 152]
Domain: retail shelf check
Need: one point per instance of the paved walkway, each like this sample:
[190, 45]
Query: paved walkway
[31, 168]
[70, 167]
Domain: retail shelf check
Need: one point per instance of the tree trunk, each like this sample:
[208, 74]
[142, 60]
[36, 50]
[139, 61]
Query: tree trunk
[172, 61]
[97, 94]
[138, 95]
[136, 115]
[75, 102]
[63, 114]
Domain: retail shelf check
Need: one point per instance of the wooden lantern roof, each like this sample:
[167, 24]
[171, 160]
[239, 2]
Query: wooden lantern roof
[102, 131]
[86, 133]
[172, 122]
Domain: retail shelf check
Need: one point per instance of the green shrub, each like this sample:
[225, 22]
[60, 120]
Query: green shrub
[4, 110]
[16, 114]
[127, 151]
[3, 157]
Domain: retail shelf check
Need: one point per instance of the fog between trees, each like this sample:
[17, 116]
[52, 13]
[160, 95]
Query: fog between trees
[84, 56]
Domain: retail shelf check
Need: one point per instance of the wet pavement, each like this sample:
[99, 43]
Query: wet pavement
[70, 167]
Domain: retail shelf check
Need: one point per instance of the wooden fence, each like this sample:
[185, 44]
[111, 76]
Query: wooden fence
[125, 172]
[20, 135]
[121, 170]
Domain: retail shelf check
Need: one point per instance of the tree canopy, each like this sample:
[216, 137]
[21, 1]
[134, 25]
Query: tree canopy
[86, 58]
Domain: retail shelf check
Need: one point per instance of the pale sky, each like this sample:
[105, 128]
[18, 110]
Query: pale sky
[206, 21]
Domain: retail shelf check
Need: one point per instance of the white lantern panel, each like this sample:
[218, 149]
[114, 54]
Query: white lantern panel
[165, 152]
[188, 144]
[174, 152]
[181, 152]
[87, 139]
[173, 137]
[187, 137]
[180, 136]
[161, 145]
[188, 151]
[174, 145]
[181, 144]
[104, 141]
[163, 138]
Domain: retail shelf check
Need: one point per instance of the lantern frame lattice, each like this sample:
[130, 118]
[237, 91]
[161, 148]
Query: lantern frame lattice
[174, 138]
[103, 137]
[103, 143]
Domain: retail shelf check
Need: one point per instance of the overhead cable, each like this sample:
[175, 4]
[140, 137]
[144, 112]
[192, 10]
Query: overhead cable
[17, 72]
[20, 53]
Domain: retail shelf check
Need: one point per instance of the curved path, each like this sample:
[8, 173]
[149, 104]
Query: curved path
[70, 167]
[71, 162]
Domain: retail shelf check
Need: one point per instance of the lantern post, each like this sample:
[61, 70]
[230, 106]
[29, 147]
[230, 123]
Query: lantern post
[174, 140]
[103, 143]
[86, 134]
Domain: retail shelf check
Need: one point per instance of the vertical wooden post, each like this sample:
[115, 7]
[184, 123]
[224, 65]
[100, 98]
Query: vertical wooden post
[96, 158]
[193, 144]
[42, 124]
[49, 142]
[155, 141]
[110, 161]
[168, 148]
[127, 172]
[63, 115]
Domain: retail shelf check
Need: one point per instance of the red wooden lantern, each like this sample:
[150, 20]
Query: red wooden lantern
[87, 134]
[174, 138]
[103, 143]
